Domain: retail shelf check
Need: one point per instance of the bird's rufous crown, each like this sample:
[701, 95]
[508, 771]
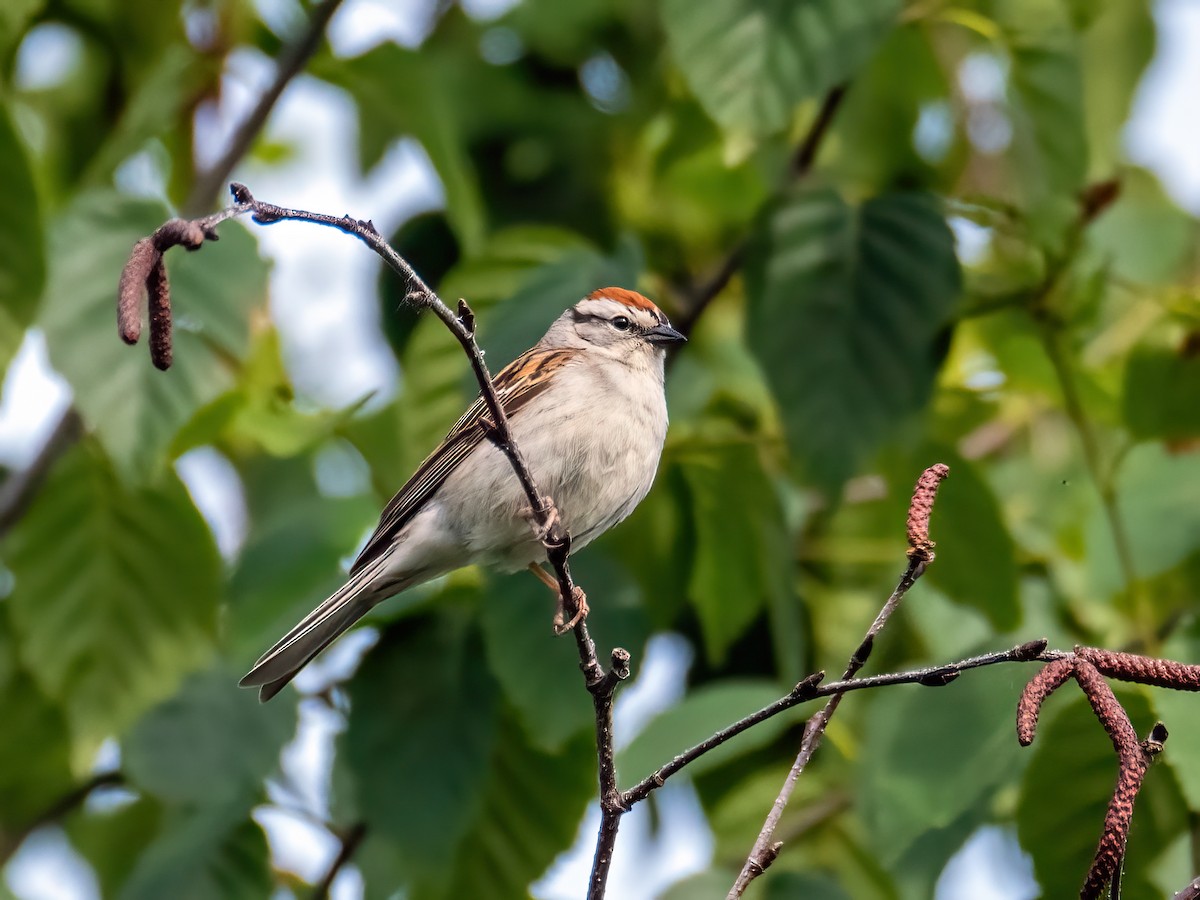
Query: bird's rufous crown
[632, 299]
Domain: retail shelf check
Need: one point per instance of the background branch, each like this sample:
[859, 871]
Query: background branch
[209, 182]
[920, 554]
[19, 488]
[350, 842]
[700, 296]
[68, 802]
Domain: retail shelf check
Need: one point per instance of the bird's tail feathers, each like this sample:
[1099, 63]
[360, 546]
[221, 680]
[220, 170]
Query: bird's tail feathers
[319, 629]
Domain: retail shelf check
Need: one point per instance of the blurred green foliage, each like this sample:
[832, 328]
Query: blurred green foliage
[933, 290]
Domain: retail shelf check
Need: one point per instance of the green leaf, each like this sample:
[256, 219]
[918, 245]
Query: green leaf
[422, 727]
[433, 115]
[35, 758]
[532, 805]
[539, 672]
[1158, 495]
[702, 712]
[1161, 387]
[1066, 790]
[794, 886]
[930, 755]
[165, 92]
[14, 16]
[712, 883]
[968, 527]
[1046, 93]
[116, 591]
[111, 840]
[1116, 49]
[178, 753]
[22, 267]
[846, 309]
[750, 62]
[743, 556]
[212, 853]
[136, 409]
[292, 558]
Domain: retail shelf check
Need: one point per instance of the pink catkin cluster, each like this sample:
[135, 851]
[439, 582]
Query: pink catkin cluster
[1088, 667]
[921, 507]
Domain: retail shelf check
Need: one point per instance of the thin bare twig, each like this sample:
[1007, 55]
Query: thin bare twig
[920, 554]
[812, 688]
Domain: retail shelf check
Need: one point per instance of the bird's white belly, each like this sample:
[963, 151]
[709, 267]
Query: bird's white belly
[597, 461]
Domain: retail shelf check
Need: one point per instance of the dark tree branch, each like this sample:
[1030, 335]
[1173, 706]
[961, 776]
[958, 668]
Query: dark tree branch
[18, 490]
[920, 554]
[350, 842]
[811, 688]
[209, 183]
[67, 803]
[801, 163]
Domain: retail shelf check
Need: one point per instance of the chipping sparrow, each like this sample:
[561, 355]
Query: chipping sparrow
[585, 405]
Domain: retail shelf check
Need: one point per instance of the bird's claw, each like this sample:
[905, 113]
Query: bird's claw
[579, 601]
[541, 529]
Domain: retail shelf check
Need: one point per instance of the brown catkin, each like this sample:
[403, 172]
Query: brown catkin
[1050, 678]
[159, 290]
[1133, 762]
[1142, 669]
[129, 291]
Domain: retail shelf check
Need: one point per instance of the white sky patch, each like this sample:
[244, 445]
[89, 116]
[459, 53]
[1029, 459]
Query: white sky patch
[48, 868]
[990, 866]
[217, 492]
[32, 402]
[658, 685]
[1164, 130]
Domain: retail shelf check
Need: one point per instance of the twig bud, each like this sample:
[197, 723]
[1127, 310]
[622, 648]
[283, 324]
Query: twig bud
[179, 233]
[1029, 650]
[939, 677]
[466, 316]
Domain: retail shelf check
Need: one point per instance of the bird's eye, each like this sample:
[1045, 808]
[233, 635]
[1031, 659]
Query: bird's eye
[621, 323]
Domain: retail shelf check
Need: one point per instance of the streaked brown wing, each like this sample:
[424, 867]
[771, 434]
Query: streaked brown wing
[516, 384]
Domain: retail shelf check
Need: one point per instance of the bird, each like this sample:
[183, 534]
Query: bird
[586, 405]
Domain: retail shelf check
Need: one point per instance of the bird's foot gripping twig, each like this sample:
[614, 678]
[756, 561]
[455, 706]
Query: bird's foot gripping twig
[579, 600]
[543, 521]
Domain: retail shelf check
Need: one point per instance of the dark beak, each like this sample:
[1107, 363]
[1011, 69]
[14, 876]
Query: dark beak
[664, 334]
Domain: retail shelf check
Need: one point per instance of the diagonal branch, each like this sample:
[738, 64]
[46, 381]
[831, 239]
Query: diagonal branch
[920, 554]
[801, 163]
[209, 183]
